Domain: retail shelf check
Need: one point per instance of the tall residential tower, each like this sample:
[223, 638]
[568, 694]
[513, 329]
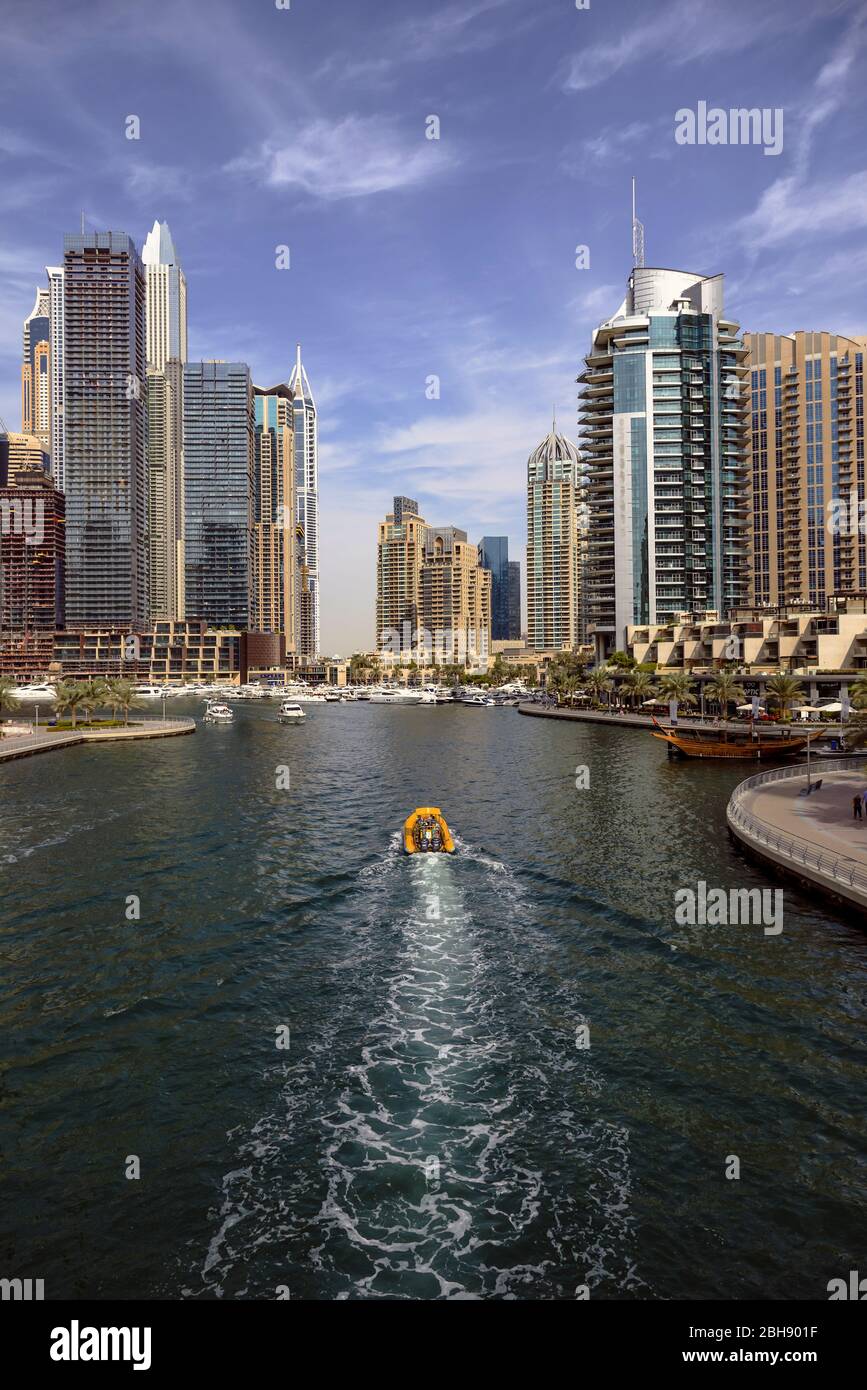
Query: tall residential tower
[663, 423]
[807, 446]
[105, 469]
[218, 493]
[400, 555]
[307, 506]
[55, 315]
[494, 556]
[275, 578]
[166, 339]
[166, 298]
[36, 370]
[553, 571]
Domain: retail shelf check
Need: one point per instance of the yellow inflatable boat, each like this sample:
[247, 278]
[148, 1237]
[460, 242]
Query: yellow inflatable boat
[425, 832]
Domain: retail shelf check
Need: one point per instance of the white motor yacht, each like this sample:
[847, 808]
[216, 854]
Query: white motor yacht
[218, 713]
[34, 694]
[291, 713]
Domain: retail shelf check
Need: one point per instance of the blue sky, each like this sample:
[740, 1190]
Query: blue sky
[410, 258]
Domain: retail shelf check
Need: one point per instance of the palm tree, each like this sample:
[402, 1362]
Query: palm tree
[725, 690]
[7, 698]
[70, 694]
[639, 685]
[113, 694]
[858, 693]
[600, 682]
[124, 692]
[783, 691]
[677, 686]
[95, 693]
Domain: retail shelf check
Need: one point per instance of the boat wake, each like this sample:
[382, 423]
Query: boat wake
[460, 1152]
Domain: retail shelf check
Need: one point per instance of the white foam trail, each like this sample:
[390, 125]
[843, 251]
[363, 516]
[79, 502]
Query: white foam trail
[463, 1065]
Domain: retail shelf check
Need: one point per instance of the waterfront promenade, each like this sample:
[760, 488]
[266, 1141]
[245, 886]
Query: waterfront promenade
[24, 745]
[633, 720]
[816, 838]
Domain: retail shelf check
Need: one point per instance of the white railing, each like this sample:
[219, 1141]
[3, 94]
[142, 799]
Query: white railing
[840, 868]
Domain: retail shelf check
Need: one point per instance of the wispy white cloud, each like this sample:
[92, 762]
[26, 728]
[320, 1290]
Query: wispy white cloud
[352, 157]
[795, 205]
[680, 33]
[146, 181]
[608, 146]
[804, 209]
[443, 31]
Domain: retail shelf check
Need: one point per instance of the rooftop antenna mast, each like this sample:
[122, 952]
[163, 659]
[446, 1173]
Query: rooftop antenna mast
[637, 235]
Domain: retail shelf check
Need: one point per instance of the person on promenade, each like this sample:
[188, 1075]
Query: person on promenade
[856, 806]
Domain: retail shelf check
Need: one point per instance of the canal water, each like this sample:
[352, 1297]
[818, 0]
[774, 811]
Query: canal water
[434, 1128]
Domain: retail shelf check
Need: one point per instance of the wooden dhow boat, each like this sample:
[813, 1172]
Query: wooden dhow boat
[707, 743]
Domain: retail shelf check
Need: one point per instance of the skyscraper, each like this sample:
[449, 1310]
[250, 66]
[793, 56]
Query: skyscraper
[105, 426]
[165, 397]
[36, 370]
[455, 598]
[806, 418]
[218, 492]
[307, 506]
[663, 435]
[166, 346]
[400, 555]
[22, 453]
[514, 632]
[55, 315]
[31, 554]
[494, 556]
[166, 298]
[275, 580]
[553, 577]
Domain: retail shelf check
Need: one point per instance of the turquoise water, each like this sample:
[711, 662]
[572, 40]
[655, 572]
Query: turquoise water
[432, 1131]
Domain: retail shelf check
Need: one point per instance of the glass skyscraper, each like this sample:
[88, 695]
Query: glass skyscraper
[553, 570]
[494, 556]
[166, 347]
[514, 632]
[663, 429]
[218, 487]
[105, 431]
[35, 370]
[307, 507]
[275, 605]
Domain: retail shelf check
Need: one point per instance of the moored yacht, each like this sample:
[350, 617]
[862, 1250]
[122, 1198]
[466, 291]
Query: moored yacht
[34, 694]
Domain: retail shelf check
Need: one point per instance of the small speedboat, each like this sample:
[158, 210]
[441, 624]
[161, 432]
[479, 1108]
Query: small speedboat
[290, 713]
[218, 713]
[426, 832]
